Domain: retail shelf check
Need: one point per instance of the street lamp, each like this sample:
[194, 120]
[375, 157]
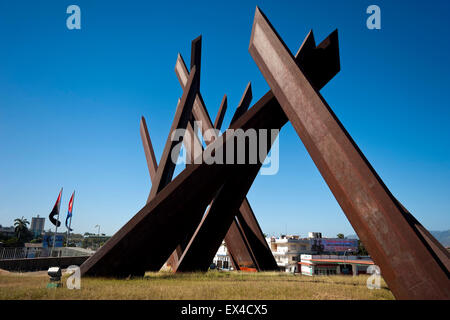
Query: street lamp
[98, 232]
[346, 252]
[344, 256]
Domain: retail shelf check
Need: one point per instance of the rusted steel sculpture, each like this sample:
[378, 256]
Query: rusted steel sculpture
[410, 266]
[413, 263]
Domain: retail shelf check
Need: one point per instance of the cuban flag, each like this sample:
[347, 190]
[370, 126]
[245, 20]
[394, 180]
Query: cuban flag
[69, 213]
[55, 211]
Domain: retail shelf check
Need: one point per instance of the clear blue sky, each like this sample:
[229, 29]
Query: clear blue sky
[71, 101]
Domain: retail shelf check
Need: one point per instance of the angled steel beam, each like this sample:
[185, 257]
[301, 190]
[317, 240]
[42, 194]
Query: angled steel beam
[254, 237]
[443, 255]
[319, 62]
[243, 104]
[194, 149]
[221, 113]
[181, 120]
[196, 56]
[239, 250]
[199, 110]
[148, 149]
[191, 143]
[408, 265]
[166, 165]
[203, 245]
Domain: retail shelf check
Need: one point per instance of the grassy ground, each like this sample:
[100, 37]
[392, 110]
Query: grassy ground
[212, 285]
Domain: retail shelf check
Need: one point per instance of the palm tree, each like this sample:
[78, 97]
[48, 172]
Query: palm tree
[20, 226]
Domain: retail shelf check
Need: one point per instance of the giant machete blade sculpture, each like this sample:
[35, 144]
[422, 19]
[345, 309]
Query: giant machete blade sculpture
[179, 207]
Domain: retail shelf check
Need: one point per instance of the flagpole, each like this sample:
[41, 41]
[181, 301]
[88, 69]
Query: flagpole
[57, 219]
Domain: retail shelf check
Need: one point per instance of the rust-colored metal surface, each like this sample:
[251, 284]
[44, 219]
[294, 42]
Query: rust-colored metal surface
[166, 166]
[191, 143]
[221, 113]
[244, 104]
[411, 269]
[148, 149]
[239, 251]
[254, 237]
[196, 56]
[199, 110]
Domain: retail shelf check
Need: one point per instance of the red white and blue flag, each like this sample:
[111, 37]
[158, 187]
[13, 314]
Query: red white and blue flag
[69, 212]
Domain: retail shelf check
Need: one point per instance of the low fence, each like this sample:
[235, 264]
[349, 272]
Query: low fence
[30, 253]
[39, 264]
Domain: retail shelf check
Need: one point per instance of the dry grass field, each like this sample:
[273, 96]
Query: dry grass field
[212, 285]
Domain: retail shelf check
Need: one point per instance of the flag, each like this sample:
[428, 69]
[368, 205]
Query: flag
[69, 212]
[55, 211]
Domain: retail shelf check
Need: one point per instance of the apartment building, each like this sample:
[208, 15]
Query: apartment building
[287, 250]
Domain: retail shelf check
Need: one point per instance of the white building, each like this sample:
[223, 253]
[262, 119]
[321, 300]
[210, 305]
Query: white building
[287, 251]
[7, 231]
[222, 259]
[333, 264]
